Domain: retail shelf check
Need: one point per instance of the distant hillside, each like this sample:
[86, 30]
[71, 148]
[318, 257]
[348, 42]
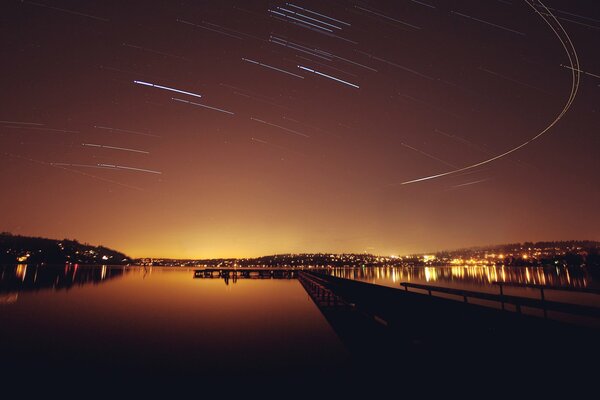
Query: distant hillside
[33, 250]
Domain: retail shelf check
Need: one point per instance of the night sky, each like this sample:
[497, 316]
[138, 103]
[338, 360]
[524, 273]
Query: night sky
[243, 128]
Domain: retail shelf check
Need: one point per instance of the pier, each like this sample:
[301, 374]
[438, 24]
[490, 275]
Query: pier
[247, 273]
[383, 324]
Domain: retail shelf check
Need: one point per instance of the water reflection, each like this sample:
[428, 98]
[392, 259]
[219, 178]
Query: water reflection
[484, 275]
[23, 277]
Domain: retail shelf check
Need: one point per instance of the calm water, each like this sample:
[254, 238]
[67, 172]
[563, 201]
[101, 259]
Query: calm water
[160, 320]
[483, 278]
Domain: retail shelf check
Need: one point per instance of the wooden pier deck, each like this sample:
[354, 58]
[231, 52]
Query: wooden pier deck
[383, 324]
[248, 273]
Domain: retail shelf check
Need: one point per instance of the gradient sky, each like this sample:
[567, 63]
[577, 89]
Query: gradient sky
[441, 85]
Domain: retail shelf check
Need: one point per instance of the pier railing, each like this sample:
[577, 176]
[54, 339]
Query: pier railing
[517, 301]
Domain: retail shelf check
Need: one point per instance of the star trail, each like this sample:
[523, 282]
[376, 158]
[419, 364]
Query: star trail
[233, 128]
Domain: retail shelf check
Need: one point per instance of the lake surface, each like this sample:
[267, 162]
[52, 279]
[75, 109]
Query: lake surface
[136, 321]
[160, 321]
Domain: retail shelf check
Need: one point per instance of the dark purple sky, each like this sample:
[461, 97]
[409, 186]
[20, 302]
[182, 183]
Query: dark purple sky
[319, 112]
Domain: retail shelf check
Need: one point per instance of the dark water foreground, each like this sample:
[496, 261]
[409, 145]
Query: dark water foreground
[153, 325]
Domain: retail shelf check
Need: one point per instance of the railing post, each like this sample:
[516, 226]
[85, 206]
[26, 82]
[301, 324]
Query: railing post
[501, 295]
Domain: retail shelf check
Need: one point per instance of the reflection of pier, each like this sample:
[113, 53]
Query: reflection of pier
[247, 273]
[379, 323]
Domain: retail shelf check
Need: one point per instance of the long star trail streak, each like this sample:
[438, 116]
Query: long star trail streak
[65, 11]
[571, 53]
[103, 146]
[573, 15]
[393, 64]
[149, 171]
[202, 105]
[388, 18]
[64, 168]
[428, 155]
[21, 123]
[209, 29]
[125, 131]
[329, 77]
[96, 166]
[299, 20]
[276, 146]
[109, 166]
[327, 66]
[423, 4]
[154, 51]
[309, 18]
[580, 71]
[469, 183]
[499, 75]
[488, 23]
[37, 128]
[234, 31]
[280, 127]
[255, 96]
[298, 47]
[316, 13]
[166, 88]
[273, 68]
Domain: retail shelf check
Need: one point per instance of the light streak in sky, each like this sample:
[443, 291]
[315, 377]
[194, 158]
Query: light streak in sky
[97, 166]
[309, 18]
[107, 166]
[64, 168]
[202, 105]
[130, 168]
[326, 66]
[209, 29]
[580, 71]
[329, 77]
[166, 88]
[488, 23]
[571, 53]
[119, 130]
[427, 155]
[321, 32]
[297, 47]
[299, 20]
[154, 51]
[234, 31]
[280, 127]
[252, 95]
[462, 140]
[273, 68]
[103, 146]
[65, 11]
[388, 18]
[423, 3]
[277, 146]
[469, 183]
[412, 71]
[353, 62]
[572, 14]
[430, 105]
[20, 123]
[578, 22]
[37, 128]
[499, 75]
[316, 13]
